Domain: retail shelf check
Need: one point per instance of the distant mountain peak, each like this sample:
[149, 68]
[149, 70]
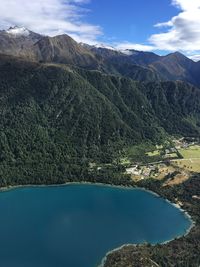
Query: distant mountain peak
[104, 46]
[129, 52]
[18, 31]
[176, 54]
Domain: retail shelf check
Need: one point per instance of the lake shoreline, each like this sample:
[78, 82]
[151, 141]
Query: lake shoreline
[15, 187]
[102, 264]
[186, 214]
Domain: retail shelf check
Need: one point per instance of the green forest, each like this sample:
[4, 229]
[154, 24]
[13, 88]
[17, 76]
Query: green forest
[55, 120]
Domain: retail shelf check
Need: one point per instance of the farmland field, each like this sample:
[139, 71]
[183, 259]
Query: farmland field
[192, 165]
[191, 152]
[191, 159]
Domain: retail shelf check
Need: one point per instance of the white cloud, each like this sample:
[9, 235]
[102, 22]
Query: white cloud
[52, 17]
[164, 24]
[180, 33]
[183, 30]
[195, 57]
[139, 47]
[186, 4]
[49, 17]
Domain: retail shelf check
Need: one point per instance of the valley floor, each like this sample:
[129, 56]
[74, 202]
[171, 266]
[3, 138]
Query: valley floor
[175, 164]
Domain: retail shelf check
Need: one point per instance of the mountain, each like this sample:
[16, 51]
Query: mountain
[18, 42]
[147, 66]
[55, 119]
[63, 49]
[140, 66]
[176, 66]
[65, 105]
[142, 58]
[176, 105]
[119, 63]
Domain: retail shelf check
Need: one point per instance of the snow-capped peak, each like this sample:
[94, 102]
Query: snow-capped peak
[127, 52]
[18, 31]
[105, 46]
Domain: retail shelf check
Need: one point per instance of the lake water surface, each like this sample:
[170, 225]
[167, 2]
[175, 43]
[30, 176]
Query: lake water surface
[76, 225]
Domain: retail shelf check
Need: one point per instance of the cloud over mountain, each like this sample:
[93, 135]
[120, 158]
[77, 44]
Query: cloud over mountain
[53, 17]
[50, 17]
[181, 32]
[140, 47]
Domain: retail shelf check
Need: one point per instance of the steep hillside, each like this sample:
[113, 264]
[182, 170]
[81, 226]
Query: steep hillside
[172, 67]
[176, 105]
[147, 66]
[176, 66]
[55, 119]
[18, 42]
[122, 64]
[143, 58]
[63, 49]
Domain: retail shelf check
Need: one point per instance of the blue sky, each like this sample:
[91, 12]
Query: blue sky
[129, 20]
[161, 26]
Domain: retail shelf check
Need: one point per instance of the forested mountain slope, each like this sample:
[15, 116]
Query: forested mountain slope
[55, 119]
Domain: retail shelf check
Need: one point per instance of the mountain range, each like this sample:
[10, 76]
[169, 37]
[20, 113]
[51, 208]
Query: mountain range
[65, 104]
[141, 66]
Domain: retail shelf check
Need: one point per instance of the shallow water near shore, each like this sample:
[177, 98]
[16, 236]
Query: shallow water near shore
[76, 225]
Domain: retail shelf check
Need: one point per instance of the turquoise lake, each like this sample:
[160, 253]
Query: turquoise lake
[76, 225]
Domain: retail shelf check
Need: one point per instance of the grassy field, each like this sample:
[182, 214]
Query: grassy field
[191, 159]
[164, 170]
[191, 152]
[192, 165]
[171, 155]
[180, 169]
[153, 153]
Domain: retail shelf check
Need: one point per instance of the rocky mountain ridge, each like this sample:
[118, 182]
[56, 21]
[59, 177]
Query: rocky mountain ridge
[138, 65]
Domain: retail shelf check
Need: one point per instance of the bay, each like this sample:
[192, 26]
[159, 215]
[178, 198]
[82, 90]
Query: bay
[76, 225]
